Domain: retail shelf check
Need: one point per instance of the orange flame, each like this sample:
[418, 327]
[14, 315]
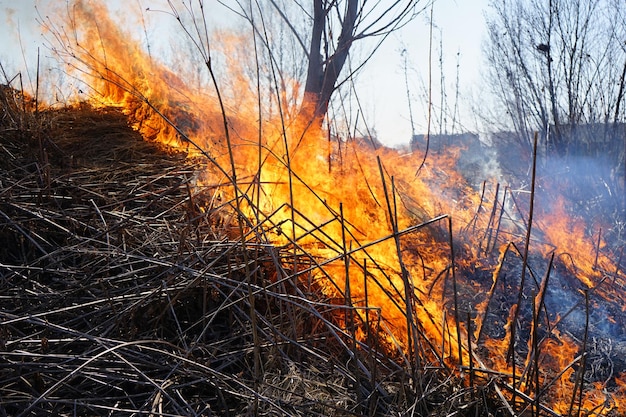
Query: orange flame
[362, 217]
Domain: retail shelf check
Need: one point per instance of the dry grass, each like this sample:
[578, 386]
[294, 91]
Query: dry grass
[125, 290]
[121, 293]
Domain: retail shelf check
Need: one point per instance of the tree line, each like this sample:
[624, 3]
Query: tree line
[555, 65]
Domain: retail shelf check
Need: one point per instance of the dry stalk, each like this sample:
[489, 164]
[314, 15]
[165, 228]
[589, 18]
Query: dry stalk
[495, 239]
[156, 321]
[492, 216]
[514, 317]
[455, 294]
[579, 381]
[496, 277]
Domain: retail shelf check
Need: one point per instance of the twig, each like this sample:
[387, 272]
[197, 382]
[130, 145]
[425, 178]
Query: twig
[455, 292]
[511, 353]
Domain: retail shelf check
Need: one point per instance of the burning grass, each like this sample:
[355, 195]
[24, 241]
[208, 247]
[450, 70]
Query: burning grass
[122, 292]
[126, 290]
[274, 272]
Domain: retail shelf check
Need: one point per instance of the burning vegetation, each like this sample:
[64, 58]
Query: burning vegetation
[170, 251]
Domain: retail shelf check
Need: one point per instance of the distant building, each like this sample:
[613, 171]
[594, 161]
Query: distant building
[440, 142]
[476, 161]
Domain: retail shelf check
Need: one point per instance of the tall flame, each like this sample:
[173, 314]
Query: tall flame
[369, 222]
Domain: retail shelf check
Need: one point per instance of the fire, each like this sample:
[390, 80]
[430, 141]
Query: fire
[364, 216]
[561, 231]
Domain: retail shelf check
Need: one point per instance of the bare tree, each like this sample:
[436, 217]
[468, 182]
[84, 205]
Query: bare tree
[335, 25]
[322, 33]
[556, 64]
[558, 67]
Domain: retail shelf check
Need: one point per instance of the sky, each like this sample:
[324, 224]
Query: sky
[401, 62]
[458, 32]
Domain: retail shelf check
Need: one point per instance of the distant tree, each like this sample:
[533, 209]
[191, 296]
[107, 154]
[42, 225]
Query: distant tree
[556, 64]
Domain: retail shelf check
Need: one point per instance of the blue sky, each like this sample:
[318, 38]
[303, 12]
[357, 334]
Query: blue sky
[459, 30]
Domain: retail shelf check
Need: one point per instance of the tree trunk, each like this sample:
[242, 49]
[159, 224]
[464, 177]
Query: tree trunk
[323, 70]
[556, 135]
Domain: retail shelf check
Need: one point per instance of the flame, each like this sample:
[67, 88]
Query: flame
[566, 235]
[364, 215]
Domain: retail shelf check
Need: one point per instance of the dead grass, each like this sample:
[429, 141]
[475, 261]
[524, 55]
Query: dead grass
[122, 294]
[126, 289]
